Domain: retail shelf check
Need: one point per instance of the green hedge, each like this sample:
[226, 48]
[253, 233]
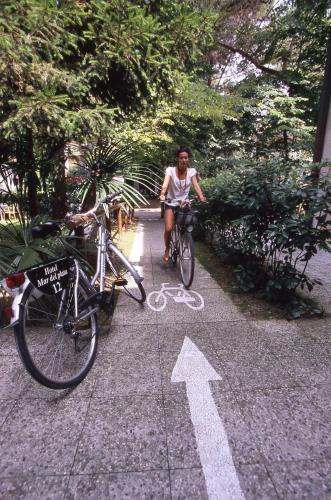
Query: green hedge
[270, 220]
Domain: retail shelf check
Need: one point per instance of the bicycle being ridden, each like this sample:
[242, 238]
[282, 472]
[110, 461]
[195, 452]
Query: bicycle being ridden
[55, 311]
[176, 186]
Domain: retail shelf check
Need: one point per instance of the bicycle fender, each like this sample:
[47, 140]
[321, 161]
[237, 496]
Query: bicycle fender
[135, 274]
[15, 307]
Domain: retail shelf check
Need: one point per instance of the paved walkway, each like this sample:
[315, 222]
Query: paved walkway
[128, 431]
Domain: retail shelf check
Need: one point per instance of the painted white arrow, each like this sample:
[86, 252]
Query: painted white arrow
[215, 455]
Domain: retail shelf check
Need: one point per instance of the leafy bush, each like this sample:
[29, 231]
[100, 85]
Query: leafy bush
[270, 220]
[18, 250]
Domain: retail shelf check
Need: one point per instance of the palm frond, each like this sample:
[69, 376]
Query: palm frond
[102, 164]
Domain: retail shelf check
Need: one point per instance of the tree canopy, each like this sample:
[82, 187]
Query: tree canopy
[154, 72]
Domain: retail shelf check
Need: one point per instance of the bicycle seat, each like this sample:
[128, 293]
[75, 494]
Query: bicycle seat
[47, 229]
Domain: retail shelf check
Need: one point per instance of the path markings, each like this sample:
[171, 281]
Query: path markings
[157, 300]
[215, 455]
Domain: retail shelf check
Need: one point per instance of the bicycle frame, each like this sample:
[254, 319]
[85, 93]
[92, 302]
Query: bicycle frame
[105, 244]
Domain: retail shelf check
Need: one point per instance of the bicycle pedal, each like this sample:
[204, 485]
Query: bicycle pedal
[120, 282]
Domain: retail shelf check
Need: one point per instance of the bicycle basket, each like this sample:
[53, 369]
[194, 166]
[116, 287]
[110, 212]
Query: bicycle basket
[186, 217]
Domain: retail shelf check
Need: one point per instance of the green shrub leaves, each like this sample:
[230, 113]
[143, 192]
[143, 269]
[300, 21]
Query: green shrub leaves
[269, 219]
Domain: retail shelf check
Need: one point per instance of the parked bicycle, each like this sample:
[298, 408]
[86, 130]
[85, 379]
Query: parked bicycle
[181, 242]
[55, 315]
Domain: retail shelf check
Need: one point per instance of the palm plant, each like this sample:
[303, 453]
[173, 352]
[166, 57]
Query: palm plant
[18, 249]
[110, 167]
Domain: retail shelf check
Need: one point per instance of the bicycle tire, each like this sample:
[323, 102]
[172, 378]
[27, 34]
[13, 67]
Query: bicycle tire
[124, 271]
[186, 258]
[55, 357]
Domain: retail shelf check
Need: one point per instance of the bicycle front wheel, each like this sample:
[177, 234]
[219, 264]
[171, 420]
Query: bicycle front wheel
[173, 247]
[186, 258]
[56, 349]
[125, 275]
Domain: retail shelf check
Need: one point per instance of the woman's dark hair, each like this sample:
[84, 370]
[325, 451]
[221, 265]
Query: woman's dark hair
[183, 149]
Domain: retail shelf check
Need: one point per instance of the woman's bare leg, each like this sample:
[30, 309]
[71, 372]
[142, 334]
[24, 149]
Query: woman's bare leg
[168, 225]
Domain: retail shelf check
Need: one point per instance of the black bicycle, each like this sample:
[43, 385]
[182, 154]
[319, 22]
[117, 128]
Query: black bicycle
[181, 242]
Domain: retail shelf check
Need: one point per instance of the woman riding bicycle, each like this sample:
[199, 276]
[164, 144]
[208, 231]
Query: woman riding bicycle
[176, 184]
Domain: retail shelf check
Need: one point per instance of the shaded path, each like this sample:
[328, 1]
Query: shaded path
[126, 431]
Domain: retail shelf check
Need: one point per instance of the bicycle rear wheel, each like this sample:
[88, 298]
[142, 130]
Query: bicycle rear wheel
[57, 350]
[125, 275]
[186, 258]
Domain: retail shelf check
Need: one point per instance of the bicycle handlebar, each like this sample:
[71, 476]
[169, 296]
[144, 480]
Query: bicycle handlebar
[83, 218]
[107, 199]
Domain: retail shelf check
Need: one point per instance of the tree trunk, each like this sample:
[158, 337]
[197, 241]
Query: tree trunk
[59, 199]
[32, 179]
[286, 149]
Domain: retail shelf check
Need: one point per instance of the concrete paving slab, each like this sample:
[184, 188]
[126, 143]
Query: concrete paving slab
[133, 314]
[203, 282]
[128, 374]
[318, 329]
[309, 363]
[47, 488]
[302, 480]
[281, 334]
[224, 311]
[13, 377]
[160, 277]
[34, 390]
[5, 408]
[123, 434]
[320, 394]
[172, 335]
[249, 370]
[255, 482]
[188, 483]
[213, 296]
[131, 485]
[130, 338]
[182, 448]
[7, 342]
[230, 337]
[287, 426]
[40, 437]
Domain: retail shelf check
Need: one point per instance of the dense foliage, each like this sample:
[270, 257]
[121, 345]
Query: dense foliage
[269, 220]
[237, 81]
[72, 70]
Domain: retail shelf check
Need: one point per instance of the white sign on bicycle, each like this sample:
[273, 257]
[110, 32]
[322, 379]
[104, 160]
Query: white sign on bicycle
[158, 300]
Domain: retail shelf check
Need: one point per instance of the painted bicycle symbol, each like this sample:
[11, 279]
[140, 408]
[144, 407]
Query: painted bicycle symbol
[157, 300]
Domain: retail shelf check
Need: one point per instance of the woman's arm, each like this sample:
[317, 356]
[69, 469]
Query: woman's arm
[164, 187]
[197, 188]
